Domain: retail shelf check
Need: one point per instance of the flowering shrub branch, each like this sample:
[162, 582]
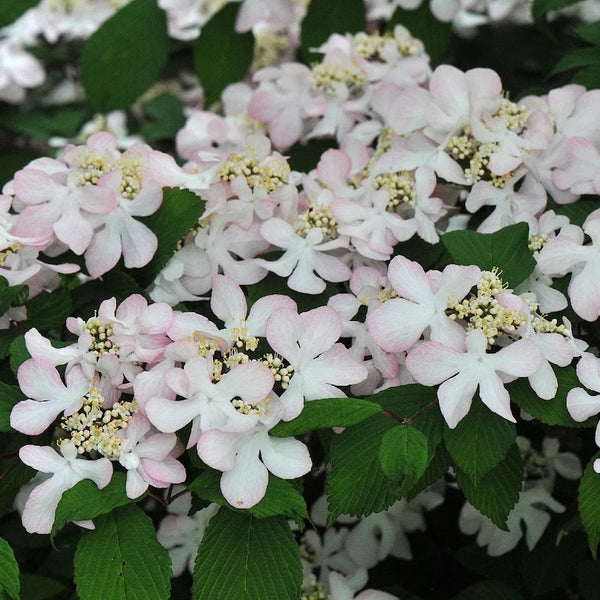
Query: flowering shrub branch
[300, 313]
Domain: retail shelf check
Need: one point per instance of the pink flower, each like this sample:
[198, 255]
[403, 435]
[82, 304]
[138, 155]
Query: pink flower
[423, 298]
[308, 342]
[67, 470]
[462, 374]
[247, 457]
[48, 395]
[149, 460]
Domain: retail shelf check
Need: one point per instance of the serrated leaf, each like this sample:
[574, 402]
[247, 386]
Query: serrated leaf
[85, 501]
[589, 507]
[9, 572]
[49, 310]
[424, 26]
[480, 441]
[281, 497]
[125, 55]
[121, 559]
[506, 250]
[590, 32]
[404, 454]
[419, 405]
[221, 55]
[327, 412]
[580, 57]
[494, 590]
[438, 466]
[244, 558]
[498, 491]
[549, 412]
[357, 484]
[325, 17]
[9, 396]
[178, 213]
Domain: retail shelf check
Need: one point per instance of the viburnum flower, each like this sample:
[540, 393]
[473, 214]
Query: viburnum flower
[564, 254]
[182, 535]
[236, 453]
[67, 470]
[307, 341]
[207, 404]
[527, 510]
[149, 460]
[581, 404]
[461, 374]
[422, 301]
[303, 257]
[48, 395]
[345, 588]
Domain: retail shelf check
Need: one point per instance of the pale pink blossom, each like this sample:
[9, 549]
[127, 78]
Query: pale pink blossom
[67, 470]
[308, 342]
[422, 301]
[48, 395]
[462, 374]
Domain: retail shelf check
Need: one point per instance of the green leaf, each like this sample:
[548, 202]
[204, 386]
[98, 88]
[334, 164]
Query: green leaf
[39, 587]
[9, 396]
[419, 405]
[590, 32]
[549, 412]
[588, 577]
[578, 211]
[552, 562]
[14, 295]
[281, 497]
[580, 57]
[125, 55]
[438, 466]
[506, 249]
[357, 484]
[10, 11]
[165, 112]
[11, 163]
[121, 559]
[327, 412]
[498, 491]
[403, 454]
[49, 310]
[325, 17]
[589, 77]
[44, 124]
[9, 572]
[480, 441]
[422, 25]
[244, 558]
[494, 590]
[221, 55]
[85, 501]
[178, 213]
[589, 507]
[18, 353]
[541, 7]
[16, 475]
